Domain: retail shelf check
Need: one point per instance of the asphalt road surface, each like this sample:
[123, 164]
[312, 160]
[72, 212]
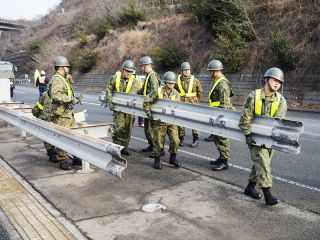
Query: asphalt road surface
[296, 177]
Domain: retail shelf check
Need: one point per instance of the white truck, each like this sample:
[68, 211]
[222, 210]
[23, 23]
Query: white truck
[7, 72]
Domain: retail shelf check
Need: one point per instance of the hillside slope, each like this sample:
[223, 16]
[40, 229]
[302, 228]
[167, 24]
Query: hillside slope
[286, 33]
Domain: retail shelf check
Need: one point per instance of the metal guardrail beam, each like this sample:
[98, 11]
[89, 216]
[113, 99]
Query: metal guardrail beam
[281, 135]
[5, 26]
[98, 152]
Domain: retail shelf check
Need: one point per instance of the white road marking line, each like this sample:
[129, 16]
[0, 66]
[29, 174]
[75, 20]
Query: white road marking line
[244, 169]
[91, 103]
[20, 92]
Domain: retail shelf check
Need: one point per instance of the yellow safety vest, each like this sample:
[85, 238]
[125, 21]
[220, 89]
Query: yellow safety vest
[40, 106]
[160, 94]
[217, 103]
[70, 93]
[190, 87]
[258, 103]
[146, 83]
[118, 78]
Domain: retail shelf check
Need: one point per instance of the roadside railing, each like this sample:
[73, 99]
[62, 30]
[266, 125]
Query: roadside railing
[82, 142]
[274, 133]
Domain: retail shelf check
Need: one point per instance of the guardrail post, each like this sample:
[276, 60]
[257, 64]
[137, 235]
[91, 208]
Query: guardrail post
[23, 133]
[85, 168]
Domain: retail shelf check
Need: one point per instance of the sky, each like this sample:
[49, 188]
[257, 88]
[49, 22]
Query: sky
[26, 9]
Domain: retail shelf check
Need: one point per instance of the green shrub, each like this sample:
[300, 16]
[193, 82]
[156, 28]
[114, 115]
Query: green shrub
[83, 38]
[232, 52]
[168, 56]
[101, 29]
[130, 16]
[35, 46]
[87, 61]
[215, 14]
[282, 51]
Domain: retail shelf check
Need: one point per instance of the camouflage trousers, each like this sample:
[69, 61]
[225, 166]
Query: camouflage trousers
[261, 171]
[160, 130]
[123, 124]
[182, 132]
[64, 122]
[148, 131]
[223, 145]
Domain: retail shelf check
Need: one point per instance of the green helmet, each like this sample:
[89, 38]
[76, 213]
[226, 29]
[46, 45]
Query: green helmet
[60, 61]
[128, 65]
[215, 65]
[185, 66]
[275, 73]
[146, 60]
[169, 77]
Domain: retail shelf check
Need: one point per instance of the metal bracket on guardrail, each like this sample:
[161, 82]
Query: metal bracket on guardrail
[281, 135]
[93, 150]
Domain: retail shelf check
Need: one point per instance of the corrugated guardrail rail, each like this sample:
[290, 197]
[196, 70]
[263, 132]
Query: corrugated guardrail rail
[281, 135]
[98, 152]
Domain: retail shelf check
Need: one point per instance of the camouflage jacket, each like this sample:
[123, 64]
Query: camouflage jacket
[111, 87]
[223, 93]
[154, 96]
[248, 111]
[197, 88]
[150, 84]
[62, 102]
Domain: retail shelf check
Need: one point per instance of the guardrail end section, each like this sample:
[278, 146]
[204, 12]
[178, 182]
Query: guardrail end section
[118, 163]
[115, 167]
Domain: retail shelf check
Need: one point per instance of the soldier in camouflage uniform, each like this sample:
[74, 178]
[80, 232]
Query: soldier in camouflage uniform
[220, 96]
[160, 129]
[126, 82]
[62, 102]
[151, 83]
[268, 102]
[190, 90]
[38, 112]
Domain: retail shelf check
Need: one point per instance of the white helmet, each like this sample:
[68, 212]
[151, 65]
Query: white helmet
[43, 72]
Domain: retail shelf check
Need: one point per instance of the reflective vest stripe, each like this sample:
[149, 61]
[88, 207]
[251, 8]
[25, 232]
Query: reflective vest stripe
[217, 103]
[160, 94]
[118, 78]
[40, 106]
[258, 103]
[70, 93]
[190, 87]
[146, 84]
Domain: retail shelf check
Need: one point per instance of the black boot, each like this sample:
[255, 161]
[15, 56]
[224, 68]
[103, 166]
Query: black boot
[217, 161]
[52, 156]
[251, 191]
[181, 141]
[76, 161]
[65, 165]
[269, 198]
[195, 142]
[126, 152]
[147, 149]
[162, 153]
[210, 138]
[157, 164]
[174, 161]
[223, 165]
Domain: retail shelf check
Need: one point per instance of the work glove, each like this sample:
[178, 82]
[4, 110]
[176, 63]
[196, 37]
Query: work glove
[249, 140]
